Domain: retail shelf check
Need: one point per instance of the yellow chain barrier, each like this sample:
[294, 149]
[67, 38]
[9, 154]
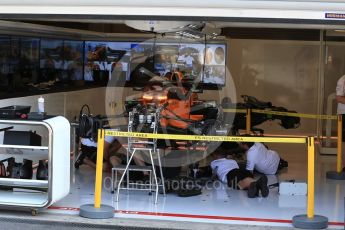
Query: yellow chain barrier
[270, 112]
[299, 140]
[235, 110]
[302, 115]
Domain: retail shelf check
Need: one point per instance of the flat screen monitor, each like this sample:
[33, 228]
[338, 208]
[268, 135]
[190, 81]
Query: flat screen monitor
[134, 63]
[215, 67]
[61, 60]
[106, 61]
[190, 59]
[141, 64]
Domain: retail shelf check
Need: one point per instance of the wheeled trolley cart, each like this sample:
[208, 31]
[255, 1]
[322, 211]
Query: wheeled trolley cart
[36, 193]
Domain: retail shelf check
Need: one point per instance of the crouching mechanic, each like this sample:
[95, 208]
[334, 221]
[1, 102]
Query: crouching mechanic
[111, 156]
[88, 154]
[262, 159]
[228, 171]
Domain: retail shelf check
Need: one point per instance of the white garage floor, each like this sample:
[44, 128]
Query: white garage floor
[223, 205]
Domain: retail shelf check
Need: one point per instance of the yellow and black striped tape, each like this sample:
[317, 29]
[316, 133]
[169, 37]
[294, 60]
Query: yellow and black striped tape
[297, 140]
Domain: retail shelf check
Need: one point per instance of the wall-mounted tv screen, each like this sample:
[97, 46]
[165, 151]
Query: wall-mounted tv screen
[30, 66]
[215, 68]
[73, 58]
[106, 61]
[190, 58]
[141, 64]
[51, 60]
[134, 63]
[61, 60]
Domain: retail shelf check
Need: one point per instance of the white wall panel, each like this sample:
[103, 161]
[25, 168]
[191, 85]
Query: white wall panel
[283, 72]
[95, 98]
[65, 103]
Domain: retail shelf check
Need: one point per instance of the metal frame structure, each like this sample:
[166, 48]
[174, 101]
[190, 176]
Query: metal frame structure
[145, 145]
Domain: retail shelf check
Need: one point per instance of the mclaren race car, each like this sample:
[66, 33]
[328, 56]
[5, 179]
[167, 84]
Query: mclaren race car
[181, 112]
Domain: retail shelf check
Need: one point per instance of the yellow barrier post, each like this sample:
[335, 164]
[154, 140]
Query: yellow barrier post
[339, 144]
[311, 177]
[97, 210]
[248, 121]
[310, 221]
[339, 174]
[99, 169]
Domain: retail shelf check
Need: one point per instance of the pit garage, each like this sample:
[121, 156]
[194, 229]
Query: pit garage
[157, 93]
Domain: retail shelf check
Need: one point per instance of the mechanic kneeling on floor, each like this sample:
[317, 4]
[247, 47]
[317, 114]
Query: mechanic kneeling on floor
[111, 155]
[262, 159]
[88, 154]
[228, 171]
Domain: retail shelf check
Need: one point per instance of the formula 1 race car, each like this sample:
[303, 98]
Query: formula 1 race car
[181, 112]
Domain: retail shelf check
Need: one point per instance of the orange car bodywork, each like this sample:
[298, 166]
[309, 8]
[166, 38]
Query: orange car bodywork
[178, 112]
[156, 97]
[181, 108]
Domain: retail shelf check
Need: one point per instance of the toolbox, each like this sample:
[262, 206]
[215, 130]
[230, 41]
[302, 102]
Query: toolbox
[14, 111]
[28, 138]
